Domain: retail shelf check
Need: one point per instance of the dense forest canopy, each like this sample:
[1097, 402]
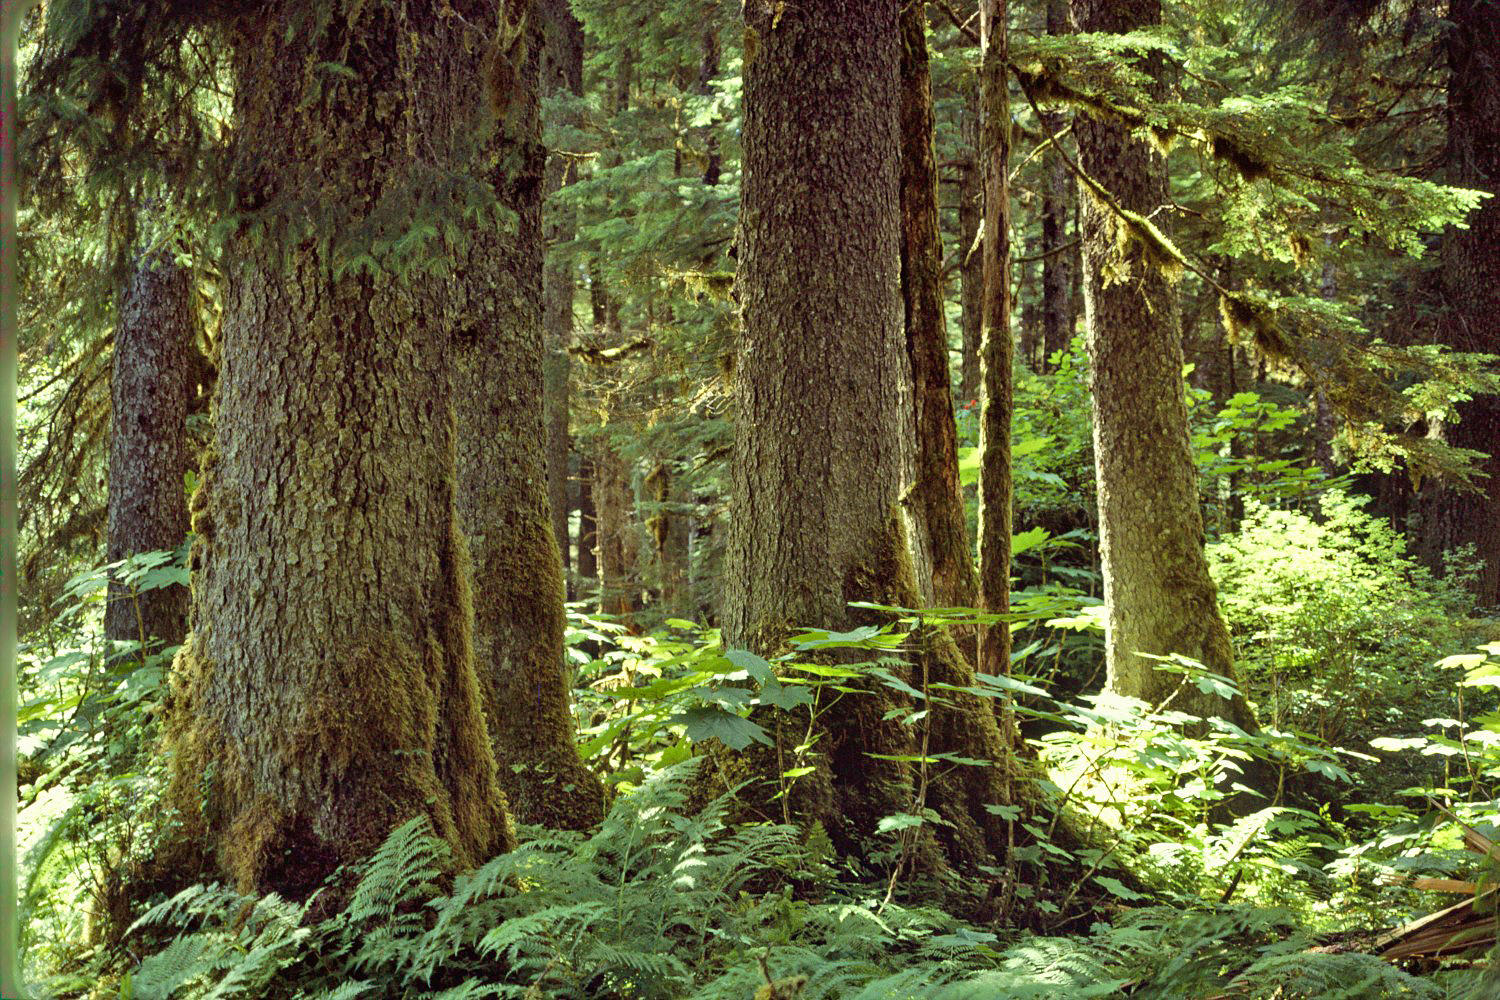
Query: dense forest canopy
[779, 499]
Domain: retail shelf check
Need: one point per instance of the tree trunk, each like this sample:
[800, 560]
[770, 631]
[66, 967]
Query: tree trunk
[1470, 286]
[1157, 588]
[148, 453]
[942, 555]
[327, 692]
[614, 504]
[562, 72]
[1057, 278]
[824, 426]
[588, 535]
[503, 482]
[995, 416]
[971, 265]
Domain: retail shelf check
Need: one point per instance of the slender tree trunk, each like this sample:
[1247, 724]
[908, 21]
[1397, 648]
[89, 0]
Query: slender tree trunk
[1057, 278]
[943, 557]
[995, 471]
[588, 535]
[327, 692]
[1157, 588]
[708, 71]
[562, 73]
[1469, 281]
[503, 484]
[148, 454]
[1324, 425]
[614, 504]
[824, 427]
[971, 266]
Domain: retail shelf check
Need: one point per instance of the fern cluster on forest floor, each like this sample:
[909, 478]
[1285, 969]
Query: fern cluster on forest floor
[655, 905]
[1167, 898]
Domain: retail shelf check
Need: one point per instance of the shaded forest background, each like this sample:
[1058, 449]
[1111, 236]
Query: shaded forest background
[811, 498]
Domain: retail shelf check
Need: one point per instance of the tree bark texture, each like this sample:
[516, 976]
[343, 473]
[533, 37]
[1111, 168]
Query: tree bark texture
[1157, 588]
[1469, 282]
[496, 320]
[562, 73]
[824, 423]
[327, 692]
[943, 557]
[995, 350]
[148, 453]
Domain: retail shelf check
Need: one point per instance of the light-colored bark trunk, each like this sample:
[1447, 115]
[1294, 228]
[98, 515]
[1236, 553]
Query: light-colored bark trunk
[1157, 588]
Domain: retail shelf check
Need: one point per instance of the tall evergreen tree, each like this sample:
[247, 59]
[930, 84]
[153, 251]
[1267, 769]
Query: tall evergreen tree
[562, 79]
[824, 424]
[1157, 589]
[327, 692]
[495, 316]
[995, 344]
[944, 558]
[1469, 289]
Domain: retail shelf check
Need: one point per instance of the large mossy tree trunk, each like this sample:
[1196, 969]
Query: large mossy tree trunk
[518, 591]
[1469, 283]
[327, 691]
[943, 556]
[1157, 588]
[150, 384]
[824, 430]
[561, 74]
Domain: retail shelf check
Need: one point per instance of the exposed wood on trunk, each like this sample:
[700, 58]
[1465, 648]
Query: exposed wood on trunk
[971, 265]
[588, 535]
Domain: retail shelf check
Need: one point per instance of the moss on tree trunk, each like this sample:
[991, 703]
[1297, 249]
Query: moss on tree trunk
[823, 437]
[944, 559]
[496, 320]
[327, 692]
[1157, 588]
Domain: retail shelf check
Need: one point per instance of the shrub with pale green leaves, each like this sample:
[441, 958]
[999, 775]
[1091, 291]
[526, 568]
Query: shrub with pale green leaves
[1336, 627]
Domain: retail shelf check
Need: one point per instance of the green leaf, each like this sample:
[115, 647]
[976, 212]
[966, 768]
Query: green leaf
[708, 722]
[1118, 888]
[784, 696]
[755, 666]
[897, 822]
